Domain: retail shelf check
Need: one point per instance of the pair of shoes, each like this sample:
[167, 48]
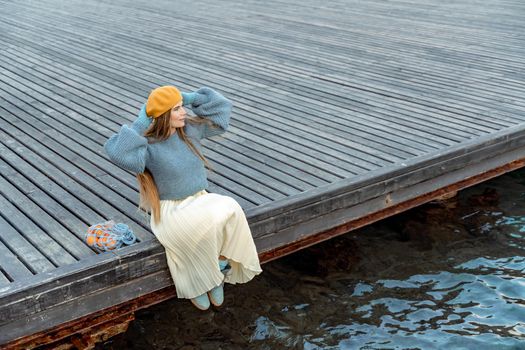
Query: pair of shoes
[202, 302]
[216, 295]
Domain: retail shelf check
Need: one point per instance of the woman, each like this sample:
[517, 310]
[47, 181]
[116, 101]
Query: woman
[206, 235]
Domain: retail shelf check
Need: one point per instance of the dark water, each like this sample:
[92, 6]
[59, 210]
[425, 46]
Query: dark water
[447, 275]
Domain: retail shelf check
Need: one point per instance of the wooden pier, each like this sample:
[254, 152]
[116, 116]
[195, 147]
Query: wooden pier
[345, 112]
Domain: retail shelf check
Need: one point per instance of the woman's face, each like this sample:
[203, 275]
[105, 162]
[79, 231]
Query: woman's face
[177, 116]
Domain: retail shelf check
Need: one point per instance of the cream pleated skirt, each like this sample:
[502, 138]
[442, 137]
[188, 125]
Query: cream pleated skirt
[195, 231]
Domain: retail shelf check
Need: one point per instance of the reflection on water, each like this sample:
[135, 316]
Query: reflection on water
[517, 234]
[479, 304]
[445, 275]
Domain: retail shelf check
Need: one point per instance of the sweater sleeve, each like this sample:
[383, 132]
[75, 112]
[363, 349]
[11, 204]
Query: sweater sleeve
[210, 104]
[128, 148]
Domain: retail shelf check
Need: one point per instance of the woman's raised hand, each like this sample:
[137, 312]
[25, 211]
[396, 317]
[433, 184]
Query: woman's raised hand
[143, 121]
[188, 98]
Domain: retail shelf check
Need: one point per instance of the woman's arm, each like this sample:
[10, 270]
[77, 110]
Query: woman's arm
[128, 147]
[208, 103]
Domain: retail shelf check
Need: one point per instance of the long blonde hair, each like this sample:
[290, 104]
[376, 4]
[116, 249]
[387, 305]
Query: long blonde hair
[158, 131]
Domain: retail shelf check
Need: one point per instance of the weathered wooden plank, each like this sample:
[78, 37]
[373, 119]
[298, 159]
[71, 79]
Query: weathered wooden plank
[81, 74]
[77, 20]
[356, 150]
[386, 136]
[58, 126]
[65, 143]
[18, 92]
[84, 102]
[360, 72]
[77, 180]
[269, 174]
[249, 155]
[281, 156]
[368, 26]
[364, 154]
[47, 222]
[61, 68]
[138, 85]
[35, 202]
[73, 196]
[283, 50]
[353, 160]
[24, 250]
[240, 190]
[351, 191]
[33, 128]
[261, 200]
[113, 197]
[212, 144]
[87, 117]
[44, 242]
[421, 36]
[311, 145]
[238, 172]
[82, 21]
[295, 151]
[350, 131]
[10, 264]
[294, 83]
[263, 189]
[190, 68]
[102, 95]
[426, 75]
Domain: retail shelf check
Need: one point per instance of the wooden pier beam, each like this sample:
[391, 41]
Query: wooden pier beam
[85, 332]
[439, 194]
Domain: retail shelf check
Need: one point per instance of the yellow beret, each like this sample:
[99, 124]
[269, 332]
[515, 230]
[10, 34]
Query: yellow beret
[162, 99]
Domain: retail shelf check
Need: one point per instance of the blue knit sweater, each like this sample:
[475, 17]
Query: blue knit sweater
[178, 172]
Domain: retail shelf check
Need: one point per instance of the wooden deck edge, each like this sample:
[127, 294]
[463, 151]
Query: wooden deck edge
[80, 297]
[78, 329]
[25, 288]
[341, 195]
[288, 241]
[500, 139]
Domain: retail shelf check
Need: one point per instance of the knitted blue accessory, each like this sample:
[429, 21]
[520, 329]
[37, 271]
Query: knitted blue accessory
[187, 98]
[109, 236]
[124, 232]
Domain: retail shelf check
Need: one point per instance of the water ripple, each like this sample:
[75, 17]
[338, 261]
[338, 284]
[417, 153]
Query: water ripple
[479, 304]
